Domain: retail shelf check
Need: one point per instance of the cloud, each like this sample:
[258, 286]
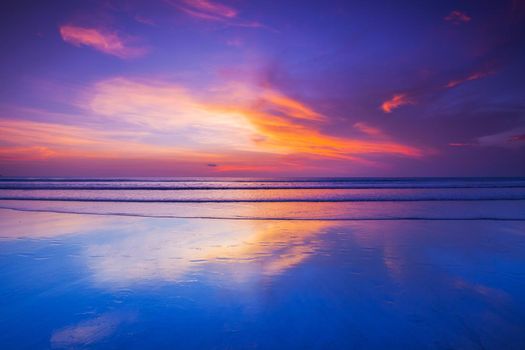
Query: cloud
[395, 102]
[171, 111]
[234, 116]
[145, 20]
[517, 138]
[288, 126]
[460, 144]
[209, 10]
[457, 17]
[473, 76]
[512, 138]
[368, 130]
[26, 140]
[14, 153]
[245, 168]
[104, 41]
[230, 124]
[213, 11]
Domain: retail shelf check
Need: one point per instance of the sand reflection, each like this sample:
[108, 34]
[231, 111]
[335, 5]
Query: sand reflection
[125, 250]
[89, 331]
[171, 250]
[20, 224]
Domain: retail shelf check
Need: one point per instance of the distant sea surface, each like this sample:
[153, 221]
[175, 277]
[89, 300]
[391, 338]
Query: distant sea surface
[240, 263]
[339, 198]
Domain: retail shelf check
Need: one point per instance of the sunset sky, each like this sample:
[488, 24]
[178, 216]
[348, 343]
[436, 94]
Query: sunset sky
[262, 88]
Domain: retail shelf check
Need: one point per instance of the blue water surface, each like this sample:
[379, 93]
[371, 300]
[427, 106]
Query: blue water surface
[262, 264]
[78, 281]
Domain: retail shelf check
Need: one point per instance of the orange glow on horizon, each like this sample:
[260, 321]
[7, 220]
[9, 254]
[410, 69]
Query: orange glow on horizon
[233, 126]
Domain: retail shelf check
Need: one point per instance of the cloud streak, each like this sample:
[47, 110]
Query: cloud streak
[471, 77]
[26, 140]
[457, 17]
[213, 11]
[106, 42]
[395, 102]
[209, 10]
[513, 138]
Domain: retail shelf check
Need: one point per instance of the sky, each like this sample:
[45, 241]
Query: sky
[262, 88]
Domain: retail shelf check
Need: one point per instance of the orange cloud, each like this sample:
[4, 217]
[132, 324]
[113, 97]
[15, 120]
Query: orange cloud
[395, 102]
[289, 127]
[14, 153]
[103, 41]
[473, 76]
[457, 17]
[229, 125]
[234, 116]
[284, 105]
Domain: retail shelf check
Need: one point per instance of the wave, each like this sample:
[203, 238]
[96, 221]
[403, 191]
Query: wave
[239, 184]
[260, 218]
[283, 179]
[283, 200]
[193, 188]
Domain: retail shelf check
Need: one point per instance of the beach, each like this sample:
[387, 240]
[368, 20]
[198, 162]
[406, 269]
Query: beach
[426, 271]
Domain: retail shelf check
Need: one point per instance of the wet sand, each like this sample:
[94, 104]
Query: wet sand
[110, 281]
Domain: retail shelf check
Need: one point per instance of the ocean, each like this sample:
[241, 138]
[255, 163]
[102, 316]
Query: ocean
[239, 263]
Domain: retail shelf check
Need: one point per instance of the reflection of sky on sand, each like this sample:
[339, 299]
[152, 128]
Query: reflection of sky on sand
[140, 249]
[90, 331]
[456, 284]
[166, 250]
[47, 225]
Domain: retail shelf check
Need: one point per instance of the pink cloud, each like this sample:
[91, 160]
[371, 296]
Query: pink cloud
[207, 10]
[517, 138]
[473, 76]
[368, 130]
[461, 144]
[104, 41]
[215, 11]
[457, 17]
[510, 138]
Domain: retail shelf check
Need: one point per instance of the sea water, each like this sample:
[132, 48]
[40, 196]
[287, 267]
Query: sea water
[203, 263]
